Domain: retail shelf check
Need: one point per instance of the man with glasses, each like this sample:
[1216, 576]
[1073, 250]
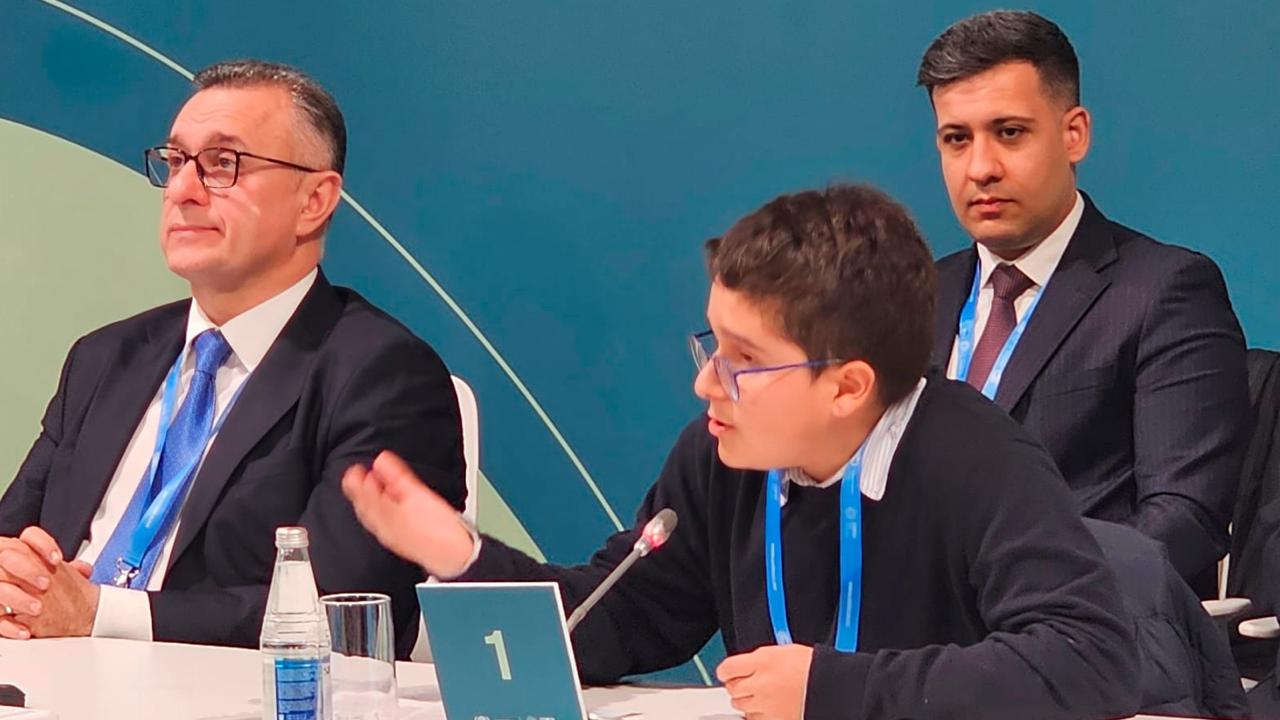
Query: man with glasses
[870, 543]
[179, 439]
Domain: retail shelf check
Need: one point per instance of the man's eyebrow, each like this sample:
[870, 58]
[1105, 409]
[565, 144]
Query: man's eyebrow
[1006, 119]
[217, 139]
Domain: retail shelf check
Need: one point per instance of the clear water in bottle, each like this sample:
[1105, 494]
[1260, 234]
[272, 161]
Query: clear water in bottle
[295, 637]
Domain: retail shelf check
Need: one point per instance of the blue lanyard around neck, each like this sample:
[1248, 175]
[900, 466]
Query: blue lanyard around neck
[850, 558]
[965, 334]
[161, 511]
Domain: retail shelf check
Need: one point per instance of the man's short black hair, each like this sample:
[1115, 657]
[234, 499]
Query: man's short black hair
[979, 43]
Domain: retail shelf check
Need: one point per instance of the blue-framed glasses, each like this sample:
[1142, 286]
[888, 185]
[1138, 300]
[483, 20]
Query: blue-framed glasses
[703, 347]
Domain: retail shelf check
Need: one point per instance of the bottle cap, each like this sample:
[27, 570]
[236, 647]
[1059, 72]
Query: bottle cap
[289, 537]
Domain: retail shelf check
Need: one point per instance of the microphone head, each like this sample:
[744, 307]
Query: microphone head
[657, 530]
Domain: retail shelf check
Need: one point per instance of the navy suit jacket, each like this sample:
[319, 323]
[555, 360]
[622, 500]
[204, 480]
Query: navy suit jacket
[342, 382]
[1131, 372]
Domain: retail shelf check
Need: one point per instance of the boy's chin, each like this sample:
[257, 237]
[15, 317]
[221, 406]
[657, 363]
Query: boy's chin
[743, 461]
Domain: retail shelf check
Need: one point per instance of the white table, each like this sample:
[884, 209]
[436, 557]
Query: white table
[97, 679]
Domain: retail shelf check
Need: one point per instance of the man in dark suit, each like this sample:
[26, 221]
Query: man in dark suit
[179, 439]
[1122, 355]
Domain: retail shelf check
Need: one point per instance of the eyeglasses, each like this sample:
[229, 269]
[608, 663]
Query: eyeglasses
[216, 167]
[703, 347]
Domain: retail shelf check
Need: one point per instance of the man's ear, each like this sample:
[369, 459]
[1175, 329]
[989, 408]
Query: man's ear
[322, 191]
[855, 387]
[1076, 133]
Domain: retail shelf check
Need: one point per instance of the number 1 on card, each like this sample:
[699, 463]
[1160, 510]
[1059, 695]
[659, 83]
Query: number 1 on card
[500, 648]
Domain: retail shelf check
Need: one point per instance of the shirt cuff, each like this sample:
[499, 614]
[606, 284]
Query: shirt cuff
[122, 613]
[475, 552]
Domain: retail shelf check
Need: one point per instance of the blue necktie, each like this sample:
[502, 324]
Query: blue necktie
[183, 446]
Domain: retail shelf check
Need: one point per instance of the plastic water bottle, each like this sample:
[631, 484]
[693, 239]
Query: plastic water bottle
[295, 637]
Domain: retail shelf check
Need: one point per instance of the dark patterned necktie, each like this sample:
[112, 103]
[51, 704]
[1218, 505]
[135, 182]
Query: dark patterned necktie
[1008, 283]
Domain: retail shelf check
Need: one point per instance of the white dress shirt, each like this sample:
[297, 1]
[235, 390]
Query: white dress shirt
[881, 444]
[1038, 263]
[126, 613]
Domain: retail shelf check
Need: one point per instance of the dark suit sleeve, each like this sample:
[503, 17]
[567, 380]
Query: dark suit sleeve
[1059, 644]
[20, 506]
[661, 612]
[399, 398]
[1191, 415]
[1267, 525]
[1269, 522]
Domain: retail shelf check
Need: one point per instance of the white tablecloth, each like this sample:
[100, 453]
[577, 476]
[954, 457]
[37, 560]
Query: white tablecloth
[98, 679]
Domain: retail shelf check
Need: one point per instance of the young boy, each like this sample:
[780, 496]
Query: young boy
[870, 543]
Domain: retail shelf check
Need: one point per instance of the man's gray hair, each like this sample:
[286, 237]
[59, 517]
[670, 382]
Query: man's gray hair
[317, 106]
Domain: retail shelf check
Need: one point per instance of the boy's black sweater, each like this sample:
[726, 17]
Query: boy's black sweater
[983, 595]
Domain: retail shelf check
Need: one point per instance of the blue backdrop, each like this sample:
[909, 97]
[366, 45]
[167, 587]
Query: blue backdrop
[554, 167]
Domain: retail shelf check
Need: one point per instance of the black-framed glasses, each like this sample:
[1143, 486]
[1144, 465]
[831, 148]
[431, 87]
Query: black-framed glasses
[703, 347]
[217, 167]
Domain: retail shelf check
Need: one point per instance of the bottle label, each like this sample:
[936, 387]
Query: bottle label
[297, 689]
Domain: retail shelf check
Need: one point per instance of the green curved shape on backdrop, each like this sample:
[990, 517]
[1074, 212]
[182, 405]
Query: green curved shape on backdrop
[80, 249]
[74, 219]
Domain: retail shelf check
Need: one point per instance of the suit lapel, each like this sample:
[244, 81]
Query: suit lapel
[269, 393]
[113, 417]
[955, 278]
[1075, 285]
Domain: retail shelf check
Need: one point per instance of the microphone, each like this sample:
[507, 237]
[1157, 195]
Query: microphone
[655, 534]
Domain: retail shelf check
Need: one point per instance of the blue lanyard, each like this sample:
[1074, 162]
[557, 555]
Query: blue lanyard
[161, 510]
[965, 342]
[850, 558]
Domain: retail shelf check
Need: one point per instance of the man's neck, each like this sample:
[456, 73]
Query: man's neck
[221, 305]
[845, 440]
[1012, 254]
